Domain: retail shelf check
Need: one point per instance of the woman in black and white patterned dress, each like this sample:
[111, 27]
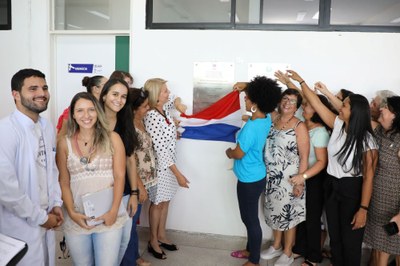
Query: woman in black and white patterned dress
[161, 127]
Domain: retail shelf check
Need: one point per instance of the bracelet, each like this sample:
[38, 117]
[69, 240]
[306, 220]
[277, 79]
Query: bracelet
[364, 207]
[301, 82]
[135, 192]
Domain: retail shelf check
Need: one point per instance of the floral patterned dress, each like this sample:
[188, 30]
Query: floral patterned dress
[282, 209]
[146, 163]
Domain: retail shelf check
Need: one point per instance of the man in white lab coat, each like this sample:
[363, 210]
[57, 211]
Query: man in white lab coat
[30, 195]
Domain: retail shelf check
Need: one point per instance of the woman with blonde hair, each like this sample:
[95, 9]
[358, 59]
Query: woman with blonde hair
[162, 129]
[91, 159]
[93, 85]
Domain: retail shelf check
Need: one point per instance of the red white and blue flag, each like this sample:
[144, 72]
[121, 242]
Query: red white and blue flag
[219, 122]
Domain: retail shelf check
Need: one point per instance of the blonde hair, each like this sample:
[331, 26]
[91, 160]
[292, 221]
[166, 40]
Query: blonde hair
[102, 135]
[153, 86]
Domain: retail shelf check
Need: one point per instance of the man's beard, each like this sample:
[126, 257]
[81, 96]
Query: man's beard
[32, 106]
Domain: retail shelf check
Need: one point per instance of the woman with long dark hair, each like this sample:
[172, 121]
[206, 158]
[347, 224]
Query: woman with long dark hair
[113, 99]
[146, 169]
[352, 158]
[308, 233]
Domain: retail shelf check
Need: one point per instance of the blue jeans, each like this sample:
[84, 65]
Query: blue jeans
[100, 249]
[248, 197]
[130, 239]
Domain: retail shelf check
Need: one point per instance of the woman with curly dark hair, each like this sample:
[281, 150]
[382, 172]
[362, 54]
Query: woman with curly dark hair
[262, 96]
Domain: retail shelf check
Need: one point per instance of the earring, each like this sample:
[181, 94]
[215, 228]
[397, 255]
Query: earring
[253, 109]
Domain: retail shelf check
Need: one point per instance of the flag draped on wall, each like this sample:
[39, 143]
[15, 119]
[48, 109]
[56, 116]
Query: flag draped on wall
[218, 122]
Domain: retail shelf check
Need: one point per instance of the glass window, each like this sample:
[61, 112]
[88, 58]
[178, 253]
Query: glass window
[247, 11]
[91, 15]
[366, 12]
[298, 15]
[5, 14]
[192, 11]
[290, 12]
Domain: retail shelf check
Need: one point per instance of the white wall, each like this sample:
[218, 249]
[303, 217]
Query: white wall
[26, 45]
[79, 49]
[362, 62]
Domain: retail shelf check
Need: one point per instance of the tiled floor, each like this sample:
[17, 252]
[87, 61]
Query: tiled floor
[196, 250]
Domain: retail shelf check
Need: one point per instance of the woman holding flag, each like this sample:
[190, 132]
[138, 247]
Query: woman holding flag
[262, 96]
[162, 129]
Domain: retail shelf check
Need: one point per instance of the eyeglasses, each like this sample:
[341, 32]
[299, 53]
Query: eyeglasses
[287, 99]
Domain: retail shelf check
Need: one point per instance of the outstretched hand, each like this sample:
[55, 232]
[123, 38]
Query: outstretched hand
[294, 75]
[282, 77]
[321, 87]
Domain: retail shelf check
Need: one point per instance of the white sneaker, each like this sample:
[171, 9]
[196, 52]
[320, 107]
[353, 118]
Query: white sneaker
[270, 253]
[284, 260]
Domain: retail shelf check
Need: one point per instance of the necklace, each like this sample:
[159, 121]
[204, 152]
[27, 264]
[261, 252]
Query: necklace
[165, 117]
[84, 141]
[287, 122]
[83, 159]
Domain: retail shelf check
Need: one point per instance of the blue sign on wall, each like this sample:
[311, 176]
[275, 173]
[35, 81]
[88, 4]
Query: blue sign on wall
[80, 68]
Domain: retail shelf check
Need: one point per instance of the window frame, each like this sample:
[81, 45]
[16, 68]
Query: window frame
[323, 23]
[7, 25]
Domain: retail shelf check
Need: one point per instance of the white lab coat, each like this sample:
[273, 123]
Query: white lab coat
[20, 212]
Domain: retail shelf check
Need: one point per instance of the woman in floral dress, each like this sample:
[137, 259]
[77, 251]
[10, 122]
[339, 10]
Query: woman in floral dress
[286, 154]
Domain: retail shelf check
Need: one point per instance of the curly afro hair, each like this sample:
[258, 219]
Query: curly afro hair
[264, 92]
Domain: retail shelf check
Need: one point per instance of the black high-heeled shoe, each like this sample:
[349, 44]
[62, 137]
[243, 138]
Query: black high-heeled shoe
[170, 247]
[157, 255]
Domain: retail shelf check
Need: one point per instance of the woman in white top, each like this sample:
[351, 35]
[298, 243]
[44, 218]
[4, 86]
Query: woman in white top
[162, 129]
[352, 158]
[90, 159]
